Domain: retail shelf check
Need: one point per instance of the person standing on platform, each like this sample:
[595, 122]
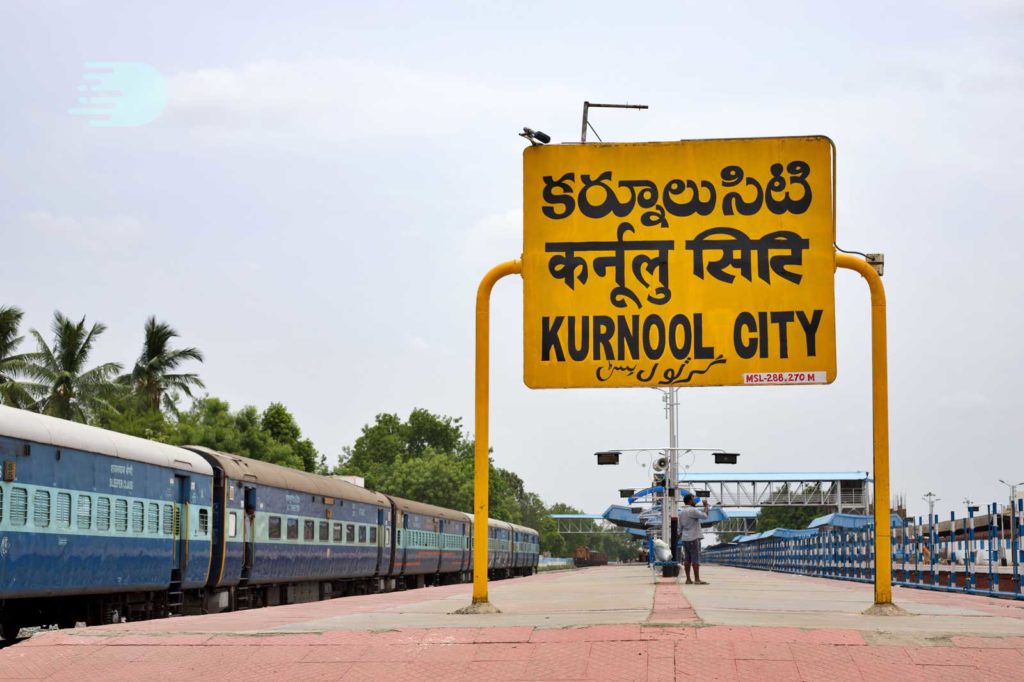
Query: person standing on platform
[691, 534]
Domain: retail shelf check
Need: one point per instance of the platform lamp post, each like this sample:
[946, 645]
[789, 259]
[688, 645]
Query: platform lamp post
[1013, 531]
[670, 498]
[931, 499]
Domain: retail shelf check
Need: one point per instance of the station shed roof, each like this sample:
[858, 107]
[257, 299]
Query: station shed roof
[837, 520]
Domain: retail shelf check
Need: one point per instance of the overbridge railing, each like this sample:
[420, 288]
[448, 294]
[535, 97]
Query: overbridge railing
[977, 554]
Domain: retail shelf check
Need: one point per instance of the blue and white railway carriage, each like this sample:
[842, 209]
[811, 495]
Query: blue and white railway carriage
[284, 536]
[431, 544]
[499, 545]
[96, 525]
[525, 550]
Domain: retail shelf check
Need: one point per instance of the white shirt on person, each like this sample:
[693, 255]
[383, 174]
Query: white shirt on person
[689, 523]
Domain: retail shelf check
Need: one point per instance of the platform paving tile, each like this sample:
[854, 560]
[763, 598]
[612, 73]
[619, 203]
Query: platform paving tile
[898, 672]
[503, 651]
[661, 669]
[604, 654]
[764, 651]
[768, 671]
[831, 653]
[879, 655]
[950, 673]
[375, 638]
[826, 671]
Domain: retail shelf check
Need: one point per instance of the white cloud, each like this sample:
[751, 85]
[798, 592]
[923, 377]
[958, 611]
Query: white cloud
[494, 239]
[334, 99]
[94, 233]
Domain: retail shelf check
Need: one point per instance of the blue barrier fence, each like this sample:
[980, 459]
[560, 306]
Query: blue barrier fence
[977, 553]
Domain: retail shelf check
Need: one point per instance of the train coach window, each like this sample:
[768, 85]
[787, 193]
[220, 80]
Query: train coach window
[308, 530]
[138, 511]
[273, 527]
[120, 515]
[293, 529]
[168, 520]
[336, 532]
[362, 533]
[103, 513]
[325, 531]
[373, 535]
[84, 512]
[41, 508]
[233, 525]
[204, 522]
[63, 515]
[153, 518]
[350, 533]
[18, 506]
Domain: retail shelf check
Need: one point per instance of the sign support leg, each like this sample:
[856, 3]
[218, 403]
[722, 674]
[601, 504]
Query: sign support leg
[880, 418]
[481, 458]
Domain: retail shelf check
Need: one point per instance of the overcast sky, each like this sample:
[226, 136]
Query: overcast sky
[329, 181]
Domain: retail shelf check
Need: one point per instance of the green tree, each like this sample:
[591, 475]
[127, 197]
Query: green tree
[389, 440]
[13, 391]
[209, 422]
[66, 389]
[793, 517]
[154, 378]
[282, 427]
[125, 414]
[270, 436]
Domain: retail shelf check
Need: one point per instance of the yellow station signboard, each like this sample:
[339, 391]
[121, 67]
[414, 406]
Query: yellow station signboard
[693, 263]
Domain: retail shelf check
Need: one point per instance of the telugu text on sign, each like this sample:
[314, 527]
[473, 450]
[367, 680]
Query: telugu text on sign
[702, 262]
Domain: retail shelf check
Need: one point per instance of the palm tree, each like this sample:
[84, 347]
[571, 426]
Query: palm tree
[153, 376]
[66, 389]
[12, 391]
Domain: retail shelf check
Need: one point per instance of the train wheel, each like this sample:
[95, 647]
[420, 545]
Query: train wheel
[9, 629]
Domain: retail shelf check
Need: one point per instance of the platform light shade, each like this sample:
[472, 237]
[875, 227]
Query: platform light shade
[636, 510]
[973, 509]
[703, 493]
[608, 457]
[726, 457]
[626, 492]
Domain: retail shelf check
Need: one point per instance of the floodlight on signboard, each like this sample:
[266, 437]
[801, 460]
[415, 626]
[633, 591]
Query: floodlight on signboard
[608, 457]
[703, 493]
[726, 457]
[626, 492]
[636, 510]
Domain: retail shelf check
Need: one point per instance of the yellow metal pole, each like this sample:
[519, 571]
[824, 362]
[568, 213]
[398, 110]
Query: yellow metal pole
[880, 418]
[481, 460]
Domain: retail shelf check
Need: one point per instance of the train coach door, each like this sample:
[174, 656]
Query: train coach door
[383, 545]
[179, 524]
[249, 531]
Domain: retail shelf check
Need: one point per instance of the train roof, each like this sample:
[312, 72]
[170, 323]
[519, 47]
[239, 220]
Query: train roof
[490, 521]
[61, 433]
[265, 473]
[429, 509]
[523, 529]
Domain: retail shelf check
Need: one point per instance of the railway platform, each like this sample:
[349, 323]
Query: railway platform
[606, 623]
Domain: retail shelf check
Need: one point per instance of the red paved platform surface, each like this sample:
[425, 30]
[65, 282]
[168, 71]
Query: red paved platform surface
[219, 648]
[614, 653]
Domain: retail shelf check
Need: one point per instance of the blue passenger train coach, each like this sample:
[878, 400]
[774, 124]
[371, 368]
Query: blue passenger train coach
[97, 526]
